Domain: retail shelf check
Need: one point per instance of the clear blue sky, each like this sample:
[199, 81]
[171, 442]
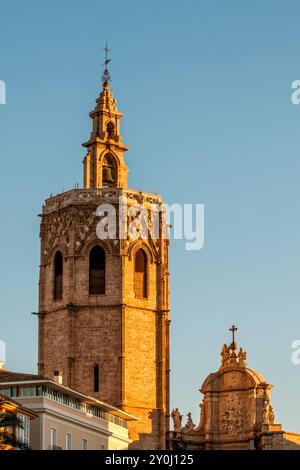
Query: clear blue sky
[205, 91]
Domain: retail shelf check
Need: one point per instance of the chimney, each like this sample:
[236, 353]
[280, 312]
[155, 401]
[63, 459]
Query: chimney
[58, 377]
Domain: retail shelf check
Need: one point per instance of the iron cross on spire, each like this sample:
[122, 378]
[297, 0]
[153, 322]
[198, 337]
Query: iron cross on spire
[233, 329]
[106, 75]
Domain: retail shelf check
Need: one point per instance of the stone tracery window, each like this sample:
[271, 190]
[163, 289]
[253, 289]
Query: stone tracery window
[58, 276]
[140, 274]
[97, 270]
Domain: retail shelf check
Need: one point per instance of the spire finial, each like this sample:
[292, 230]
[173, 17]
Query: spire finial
[106, 75]
[233, 329]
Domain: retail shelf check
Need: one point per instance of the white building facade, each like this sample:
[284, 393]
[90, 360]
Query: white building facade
[67, 420]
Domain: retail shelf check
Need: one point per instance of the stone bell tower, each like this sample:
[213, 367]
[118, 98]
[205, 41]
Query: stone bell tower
[104, 302]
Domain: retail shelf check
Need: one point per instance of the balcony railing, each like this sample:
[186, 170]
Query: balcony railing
[78, 196]
[64, 399]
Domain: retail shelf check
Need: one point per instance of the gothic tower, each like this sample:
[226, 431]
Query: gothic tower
[104, 302]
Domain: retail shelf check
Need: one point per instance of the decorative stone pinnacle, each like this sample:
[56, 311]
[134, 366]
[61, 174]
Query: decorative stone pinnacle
[229, 355]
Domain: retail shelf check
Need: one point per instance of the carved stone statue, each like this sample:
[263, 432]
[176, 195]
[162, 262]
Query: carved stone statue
[266, 409]
[189, 424]
[202, 423]
[177, 418]
[225, 354]
[271, 415]
[242, 356]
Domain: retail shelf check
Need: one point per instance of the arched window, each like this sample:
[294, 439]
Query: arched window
[58, 276]
[109, 171]
[140, 274]
[96, 377]
[110, 129]
[97, 271]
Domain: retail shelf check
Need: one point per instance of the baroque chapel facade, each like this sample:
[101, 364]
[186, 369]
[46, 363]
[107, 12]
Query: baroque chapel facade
[235, 413]
[104, 303]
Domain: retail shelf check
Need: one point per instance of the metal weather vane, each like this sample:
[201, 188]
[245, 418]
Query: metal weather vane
[106, 75]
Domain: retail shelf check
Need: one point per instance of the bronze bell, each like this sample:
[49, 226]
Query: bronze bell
[107, 176]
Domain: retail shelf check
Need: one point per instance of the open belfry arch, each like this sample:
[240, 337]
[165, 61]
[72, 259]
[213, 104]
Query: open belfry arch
[104, 304]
